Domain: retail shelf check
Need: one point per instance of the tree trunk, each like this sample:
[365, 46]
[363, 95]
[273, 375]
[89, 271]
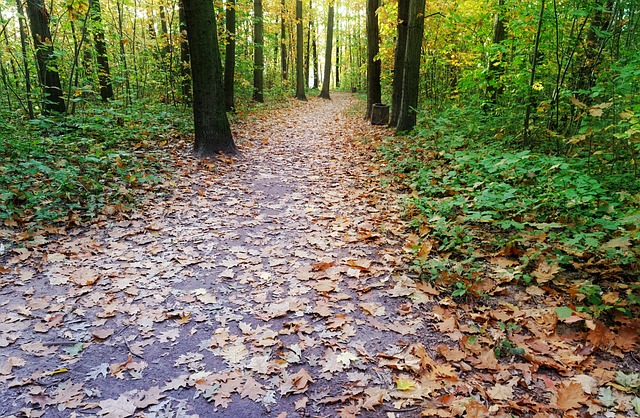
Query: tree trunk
[47, 66]
[102, 60]
[316, 67]
[495, 68]
[123, 56]
[326, 77]
[307, 56]
[411, 79]
[185, 59]
[283, 43]
[258, 53]
[532, 79]
[374, 91]
[300, 94]
[398, 60]
[23, 45]
[230, 56]
[212, 130]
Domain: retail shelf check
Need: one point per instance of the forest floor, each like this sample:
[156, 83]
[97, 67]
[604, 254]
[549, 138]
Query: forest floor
[274, 284]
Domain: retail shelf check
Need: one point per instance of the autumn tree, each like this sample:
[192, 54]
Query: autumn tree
[258, 52]
[374, 89]
[410, 83]
[45, 55]
[102, 59]
[212, 130]
[300, 83]
[398, 60]
[326, 79]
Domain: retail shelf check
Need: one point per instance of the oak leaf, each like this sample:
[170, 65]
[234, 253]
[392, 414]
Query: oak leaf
[570, 396]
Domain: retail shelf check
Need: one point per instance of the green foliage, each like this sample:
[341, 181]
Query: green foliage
[54, 170]
[474, 192]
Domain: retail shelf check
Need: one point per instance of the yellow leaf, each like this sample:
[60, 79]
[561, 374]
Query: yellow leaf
[403, 384]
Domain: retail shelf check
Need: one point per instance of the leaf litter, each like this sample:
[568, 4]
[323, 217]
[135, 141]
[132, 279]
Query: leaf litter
[273, 284]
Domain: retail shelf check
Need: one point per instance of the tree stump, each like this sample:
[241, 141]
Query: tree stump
[379, 114]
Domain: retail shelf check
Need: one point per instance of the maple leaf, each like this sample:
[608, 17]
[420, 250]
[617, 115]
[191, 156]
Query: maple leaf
[570, 396]
[405, 384]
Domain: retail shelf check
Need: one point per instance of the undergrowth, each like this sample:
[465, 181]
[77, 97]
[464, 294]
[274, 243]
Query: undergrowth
[476, 198]
[61, 169]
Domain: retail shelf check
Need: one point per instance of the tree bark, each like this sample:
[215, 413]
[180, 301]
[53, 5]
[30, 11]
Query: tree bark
[47, 66]
[258, 52]
[326, 77]
[230, 56]
[495, 68]
[300, 93]
[212, 130]
[314, 51]
[374, 91]
[532, 79]
[23, 45]
[283, 43]
[102, 60]
[185, 59]
[398, 60]
[307, 56]
[411, 79]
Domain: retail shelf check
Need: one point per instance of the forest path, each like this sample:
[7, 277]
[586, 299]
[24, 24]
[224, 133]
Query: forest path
[264, 286]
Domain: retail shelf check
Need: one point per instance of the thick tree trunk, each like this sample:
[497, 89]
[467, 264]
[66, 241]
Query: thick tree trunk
[47, 65]
[411, 80]
[495, 68]
[374, 90]
[102, 60]
[398, 60]
[326, 77]
[185, 59]
[258, 52]
[230, 56]
[212, 130]
[300, 93]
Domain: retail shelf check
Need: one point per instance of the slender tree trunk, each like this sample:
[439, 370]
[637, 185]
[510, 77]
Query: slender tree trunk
[230, 56]
[374, 90]
[326, 77]
[3, 71]
[316, 67]
[47, 66]
[411, 80]
[212, 130]
[300, 85]
[23, 46]
[102, 60]
[185, 60]
[283, 42]
[495, 68]
[336, 30]
[307, 57]
[534, 64]
[258, 52]
[398, 61]
[123, 56]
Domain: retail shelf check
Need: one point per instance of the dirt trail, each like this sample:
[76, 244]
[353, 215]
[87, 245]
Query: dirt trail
[265, 286]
